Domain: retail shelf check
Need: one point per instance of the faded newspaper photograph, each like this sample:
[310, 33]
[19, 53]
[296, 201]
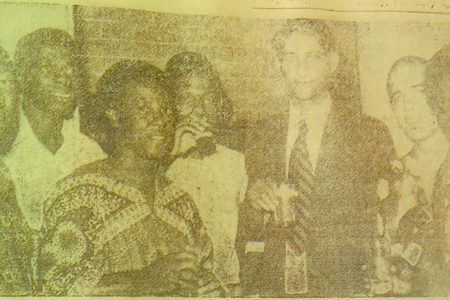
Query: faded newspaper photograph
[149, 153]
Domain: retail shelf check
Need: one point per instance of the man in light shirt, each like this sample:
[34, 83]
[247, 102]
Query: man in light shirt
[14, 234]
[418, 225]
[415, 117]
[308, 220]
[49, 144]
[413, 221]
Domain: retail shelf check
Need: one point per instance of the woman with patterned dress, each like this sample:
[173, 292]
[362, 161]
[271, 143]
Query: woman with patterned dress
[118, 226]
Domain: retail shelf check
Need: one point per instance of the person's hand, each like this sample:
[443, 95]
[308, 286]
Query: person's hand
[285, 213]
[187, 132]
[211, 289]
[262, 195]
[392, 273]
[266, 196]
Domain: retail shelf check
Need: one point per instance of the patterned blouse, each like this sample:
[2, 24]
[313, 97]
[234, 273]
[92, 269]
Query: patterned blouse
[103, 237]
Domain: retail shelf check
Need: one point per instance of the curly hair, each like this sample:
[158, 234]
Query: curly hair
[187, 64]
[29, 47]
[111, 92]
[316, 27]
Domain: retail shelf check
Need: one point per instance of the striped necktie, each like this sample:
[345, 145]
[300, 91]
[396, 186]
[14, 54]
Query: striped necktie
[301, 175]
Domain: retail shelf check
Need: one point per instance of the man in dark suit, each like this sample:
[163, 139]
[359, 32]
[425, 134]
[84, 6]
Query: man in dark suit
[308, 221]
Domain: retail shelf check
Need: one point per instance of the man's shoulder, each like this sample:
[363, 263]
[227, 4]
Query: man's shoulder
[274, 119]
[267, 126]
[377, 146]
[370, 124]
[375, 133]
[24, 143]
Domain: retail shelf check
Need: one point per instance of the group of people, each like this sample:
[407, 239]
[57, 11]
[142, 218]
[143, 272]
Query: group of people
[163, 193]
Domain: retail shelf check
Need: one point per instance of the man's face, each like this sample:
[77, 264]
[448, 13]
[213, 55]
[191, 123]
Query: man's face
[52, 82]
[409, 102]
[305, 65]
[150, 121]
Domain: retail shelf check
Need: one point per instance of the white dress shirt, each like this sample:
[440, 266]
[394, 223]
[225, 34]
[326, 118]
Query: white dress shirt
[424, 161]
[35, 170]
[420, 168]
[217, 184]
[315, 115]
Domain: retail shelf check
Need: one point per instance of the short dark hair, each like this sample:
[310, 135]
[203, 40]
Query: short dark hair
[437, 71]
[111, 92]
[407, 60]
[190, 63]
[29, 47]
[317, 27]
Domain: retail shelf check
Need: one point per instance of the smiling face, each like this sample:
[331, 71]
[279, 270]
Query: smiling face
[195, 99]
[305, 65]
[410, 103]
[147, 121]
[51, 82]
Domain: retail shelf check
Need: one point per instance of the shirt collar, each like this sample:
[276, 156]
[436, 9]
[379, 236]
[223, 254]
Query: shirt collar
[26, 134]
[71, 126]
[429, 157]
[311, 112]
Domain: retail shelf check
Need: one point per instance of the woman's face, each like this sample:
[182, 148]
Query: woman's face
[195, 99]
[149, 120]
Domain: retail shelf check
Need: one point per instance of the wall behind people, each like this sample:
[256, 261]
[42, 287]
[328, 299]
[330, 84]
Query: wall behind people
[240, 49]
[19, 19]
